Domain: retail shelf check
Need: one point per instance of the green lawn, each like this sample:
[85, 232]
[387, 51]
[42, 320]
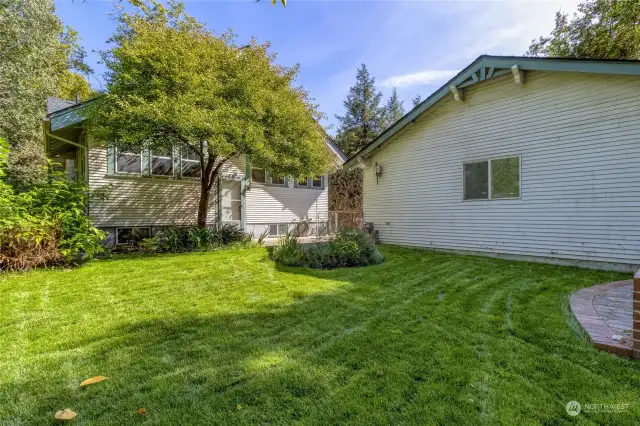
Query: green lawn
[230, 338]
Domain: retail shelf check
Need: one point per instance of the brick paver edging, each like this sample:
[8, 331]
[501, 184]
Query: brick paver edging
[600, 334]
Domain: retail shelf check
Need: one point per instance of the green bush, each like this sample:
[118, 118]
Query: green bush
[45, 224]
[350, 248]
[288, 251]
[178, 239]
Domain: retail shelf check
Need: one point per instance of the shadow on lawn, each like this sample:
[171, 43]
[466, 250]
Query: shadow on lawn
[405, 341]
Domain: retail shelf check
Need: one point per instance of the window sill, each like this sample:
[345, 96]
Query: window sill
[134, 177]
[492, 199]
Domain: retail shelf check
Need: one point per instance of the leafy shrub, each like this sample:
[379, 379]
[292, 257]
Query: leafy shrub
[288, 251]
[148, 245]
[177, 239]
[45, 224]
[351, 247]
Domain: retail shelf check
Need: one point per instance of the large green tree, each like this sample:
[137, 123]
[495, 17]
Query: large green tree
[600, 29]
[394, 110]
[39, 57]
[174, 85]
[364, 117]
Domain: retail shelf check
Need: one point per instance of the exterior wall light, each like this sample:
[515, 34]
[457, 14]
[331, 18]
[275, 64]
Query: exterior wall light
[377, 169]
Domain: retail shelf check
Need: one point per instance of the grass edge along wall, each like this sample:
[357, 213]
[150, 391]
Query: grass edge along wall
[575, 134]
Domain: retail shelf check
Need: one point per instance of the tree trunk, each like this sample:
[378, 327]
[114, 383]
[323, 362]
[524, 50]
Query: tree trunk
[203, 206]
[209, 173]
[208, 176]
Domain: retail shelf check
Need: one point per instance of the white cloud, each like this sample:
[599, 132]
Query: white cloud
[419, 78]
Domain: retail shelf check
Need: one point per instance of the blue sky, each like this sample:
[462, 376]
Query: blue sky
[413, 45]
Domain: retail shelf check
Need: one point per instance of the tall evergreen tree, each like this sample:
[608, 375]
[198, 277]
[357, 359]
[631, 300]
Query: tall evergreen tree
[601, 29]
[394, 110]
[416, 101]
[364, 118]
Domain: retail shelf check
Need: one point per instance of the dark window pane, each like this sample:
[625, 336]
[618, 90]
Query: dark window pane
[190, 168]
[161, 164]
[283, 228]
[190, 164]
[317, 182]
[257, 175]
[273, 230]
[476, 181]
[132, 235]
[128, 163]
[505, 178]
[303, 182]
[277, 180]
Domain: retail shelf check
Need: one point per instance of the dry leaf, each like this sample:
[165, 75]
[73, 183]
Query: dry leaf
[92, 380]
[66, 414]
[142, 411]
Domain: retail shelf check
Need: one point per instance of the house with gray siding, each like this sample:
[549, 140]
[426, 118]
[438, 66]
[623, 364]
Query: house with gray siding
[519, 157]
[146, 190]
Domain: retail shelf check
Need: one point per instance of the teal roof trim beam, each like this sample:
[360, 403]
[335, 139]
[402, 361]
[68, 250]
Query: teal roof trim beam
[491, 67]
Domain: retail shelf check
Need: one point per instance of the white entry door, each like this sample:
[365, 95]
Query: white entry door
[231, 202]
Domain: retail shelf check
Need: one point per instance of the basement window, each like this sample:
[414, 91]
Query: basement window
[278, 229]
[132, 235]
[493, 179]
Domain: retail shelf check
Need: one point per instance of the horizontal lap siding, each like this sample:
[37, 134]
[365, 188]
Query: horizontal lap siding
[139, 201]
[270, 204]
[578, 136]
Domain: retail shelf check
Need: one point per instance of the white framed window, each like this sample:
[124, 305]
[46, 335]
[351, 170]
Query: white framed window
[161, 163]
[130, 235]
[492, 179]
[128, 162]
[278, 229]
[189, 164]
[258, 175]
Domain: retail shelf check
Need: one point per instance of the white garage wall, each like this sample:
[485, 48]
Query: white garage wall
[578, 136]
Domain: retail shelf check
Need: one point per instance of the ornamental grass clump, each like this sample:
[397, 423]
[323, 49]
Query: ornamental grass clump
[351, 248]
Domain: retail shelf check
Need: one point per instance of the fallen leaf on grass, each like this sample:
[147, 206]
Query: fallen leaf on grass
[66, 414]
[92, 380]
[142, 411]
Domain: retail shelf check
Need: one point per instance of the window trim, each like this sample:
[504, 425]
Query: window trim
[278, 225]
[182, 159]
[118, 228]
[489, 191]
[171, 158]
[117, 152]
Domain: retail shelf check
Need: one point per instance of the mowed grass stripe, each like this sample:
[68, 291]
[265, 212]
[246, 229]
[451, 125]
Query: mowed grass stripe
[231, 338]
